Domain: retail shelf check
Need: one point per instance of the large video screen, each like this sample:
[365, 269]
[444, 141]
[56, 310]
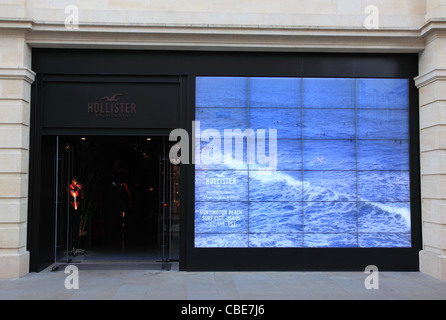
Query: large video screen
[302, 162]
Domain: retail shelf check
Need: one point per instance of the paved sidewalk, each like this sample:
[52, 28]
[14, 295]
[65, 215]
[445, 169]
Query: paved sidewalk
[134, 284]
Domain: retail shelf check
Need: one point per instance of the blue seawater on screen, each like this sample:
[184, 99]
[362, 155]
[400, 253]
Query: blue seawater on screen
[329, 169]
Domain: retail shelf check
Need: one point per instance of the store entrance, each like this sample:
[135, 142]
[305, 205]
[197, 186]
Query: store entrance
[117, 202]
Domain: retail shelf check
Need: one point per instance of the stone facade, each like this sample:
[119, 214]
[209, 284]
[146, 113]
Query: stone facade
[255, 25]
[16, 78]
[432, 87]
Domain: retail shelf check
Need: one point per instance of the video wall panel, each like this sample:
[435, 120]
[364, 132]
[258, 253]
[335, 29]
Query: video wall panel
[302, 162]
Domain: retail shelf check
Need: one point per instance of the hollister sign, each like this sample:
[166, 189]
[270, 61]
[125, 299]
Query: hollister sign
[111, 102]
[112, 107]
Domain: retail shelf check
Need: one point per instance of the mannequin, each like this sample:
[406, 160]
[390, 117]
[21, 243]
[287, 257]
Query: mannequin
[75, 190]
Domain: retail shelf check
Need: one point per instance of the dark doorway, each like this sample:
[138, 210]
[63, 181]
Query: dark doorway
[118, 202]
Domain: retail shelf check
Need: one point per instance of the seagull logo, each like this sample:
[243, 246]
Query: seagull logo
[112, 98]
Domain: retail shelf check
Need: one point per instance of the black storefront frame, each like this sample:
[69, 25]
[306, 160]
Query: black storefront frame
[191, 64]
[40, 131]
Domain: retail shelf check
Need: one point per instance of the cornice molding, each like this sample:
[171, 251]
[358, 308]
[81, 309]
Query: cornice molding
[437, 25]
[225, 37]
[17, 73]
[430, 77]
[16, 25]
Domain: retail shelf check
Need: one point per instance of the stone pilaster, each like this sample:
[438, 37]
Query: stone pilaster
[432, 88]
[15, 88]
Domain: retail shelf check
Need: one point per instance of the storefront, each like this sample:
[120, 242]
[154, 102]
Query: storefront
[293, 161]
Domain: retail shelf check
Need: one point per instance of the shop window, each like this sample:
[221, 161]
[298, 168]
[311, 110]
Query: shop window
[302, 162]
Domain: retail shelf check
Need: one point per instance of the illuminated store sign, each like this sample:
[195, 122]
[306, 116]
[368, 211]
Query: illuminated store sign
[341, 171]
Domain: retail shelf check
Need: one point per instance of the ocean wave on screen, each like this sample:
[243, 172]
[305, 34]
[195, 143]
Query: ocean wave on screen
[287, 211]
[380, 215]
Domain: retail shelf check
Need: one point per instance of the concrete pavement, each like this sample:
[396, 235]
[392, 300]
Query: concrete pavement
[149, 282]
